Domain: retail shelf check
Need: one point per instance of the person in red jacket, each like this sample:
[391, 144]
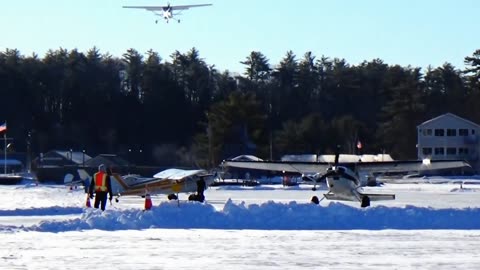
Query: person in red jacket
[102, 186]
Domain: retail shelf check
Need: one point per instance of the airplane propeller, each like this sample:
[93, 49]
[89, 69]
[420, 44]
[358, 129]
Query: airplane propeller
[319, 177]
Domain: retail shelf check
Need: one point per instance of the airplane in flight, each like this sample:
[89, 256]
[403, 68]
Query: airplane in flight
[168, 12]
[169, 182]
[346, 181]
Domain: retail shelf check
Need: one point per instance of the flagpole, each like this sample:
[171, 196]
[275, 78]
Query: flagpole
[5, 152]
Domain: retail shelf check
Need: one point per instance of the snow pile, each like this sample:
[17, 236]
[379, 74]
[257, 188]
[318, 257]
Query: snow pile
[46, 211]
[266, 216]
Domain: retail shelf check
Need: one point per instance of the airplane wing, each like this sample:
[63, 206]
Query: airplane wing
[406, 167]
[151, 8]
[165, 176]
[279, 166]
[184, 7]
[378, 196]
[155, 8]
[177, 174]
[411, 166]
[334, 197]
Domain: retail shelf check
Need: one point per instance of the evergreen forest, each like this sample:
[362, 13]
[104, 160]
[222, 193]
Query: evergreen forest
[181, 110]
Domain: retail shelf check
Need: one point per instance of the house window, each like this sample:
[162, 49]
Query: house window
[463, 132]
[427, 151]
[451, 132]
[451, 151]
[439, 151]
[473, 131]
[462, 151]
[439, 132]
[427, 132]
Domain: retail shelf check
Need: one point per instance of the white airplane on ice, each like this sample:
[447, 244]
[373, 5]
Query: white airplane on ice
[167, 12]
[344, 180]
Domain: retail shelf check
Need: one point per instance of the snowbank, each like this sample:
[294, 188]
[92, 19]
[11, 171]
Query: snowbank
[266, 216]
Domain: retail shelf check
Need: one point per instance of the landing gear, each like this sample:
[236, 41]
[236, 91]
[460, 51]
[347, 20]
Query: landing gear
[365, 201]
[178, 21]
[156, 21]
[196, 197]
[172, 197]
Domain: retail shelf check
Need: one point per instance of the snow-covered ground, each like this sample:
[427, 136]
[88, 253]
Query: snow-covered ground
[428, 226]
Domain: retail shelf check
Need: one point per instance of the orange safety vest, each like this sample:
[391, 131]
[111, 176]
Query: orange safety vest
[101, 181]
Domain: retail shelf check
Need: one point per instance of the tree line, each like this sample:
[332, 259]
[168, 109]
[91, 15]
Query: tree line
[183, 111]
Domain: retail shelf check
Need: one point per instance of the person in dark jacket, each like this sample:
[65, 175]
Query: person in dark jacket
[102, 186]
[201, 186]
[199, 196]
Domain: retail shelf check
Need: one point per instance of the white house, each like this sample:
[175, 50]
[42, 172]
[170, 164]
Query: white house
[449, 136]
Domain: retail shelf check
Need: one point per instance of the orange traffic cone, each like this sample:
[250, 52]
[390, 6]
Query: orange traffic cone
[87, 204]
[148, 202]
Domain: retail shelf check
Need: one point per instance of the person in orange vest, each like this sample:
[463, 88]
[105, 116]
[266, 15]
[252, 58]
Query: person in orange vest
[102, 186]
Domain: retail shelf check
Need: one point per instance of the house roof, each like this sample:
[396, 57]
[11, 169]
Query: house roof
[448, 115]
[247, 158]
[107, 159]
[76, 157]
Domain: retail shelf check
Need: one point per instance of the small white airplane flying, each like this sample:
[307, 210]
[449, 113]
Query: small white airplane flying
[167, 12]
[344, 180]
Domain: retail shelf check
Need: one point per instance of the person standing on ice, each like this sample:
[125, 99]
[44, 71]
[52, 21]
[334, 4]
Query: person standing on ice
[102, 186]
[199, 196]
[201, 186]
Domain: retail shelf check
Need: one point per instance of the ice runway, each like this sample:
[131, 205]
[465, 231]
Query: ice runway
[47, 227]
[28, 204]
[241, 249]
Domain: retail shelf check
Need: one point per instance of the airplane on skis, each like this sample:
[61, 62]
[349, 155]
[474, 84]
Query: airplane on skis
[169, 182]
[345, 181]
[168, 12]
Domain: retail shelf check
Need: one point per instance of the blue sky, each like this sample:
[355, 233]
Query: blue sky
[404, 32]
